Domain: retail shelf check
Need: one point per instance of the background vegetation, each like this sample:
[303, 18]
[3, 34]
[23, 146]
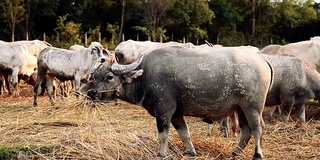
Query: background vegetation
[232, 22]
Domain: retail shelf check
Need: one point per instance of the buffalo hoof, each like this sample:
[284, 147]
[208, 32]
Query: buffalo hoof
[234, 154]
[190, 153]
[162, 158]
[257, 156]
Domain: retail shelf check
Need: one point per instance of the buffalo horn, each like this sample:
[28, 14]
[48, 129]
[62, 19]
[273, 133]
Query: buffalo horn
[120, 69]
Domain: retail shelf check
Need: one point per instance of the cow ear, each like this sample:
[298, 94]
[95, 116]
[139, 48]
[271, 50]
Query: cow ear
[132, 75]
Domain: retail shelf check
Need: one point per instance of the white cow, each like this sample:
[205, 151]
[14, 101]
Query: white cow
[31, 47]
[76, 47]
[308, 50]
[129, 51]
[16, 60]
[66, 65]
[34, 46]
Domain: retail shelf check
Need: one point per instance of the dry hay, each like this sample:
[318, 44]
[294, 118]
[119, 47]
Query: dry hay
[77, 129]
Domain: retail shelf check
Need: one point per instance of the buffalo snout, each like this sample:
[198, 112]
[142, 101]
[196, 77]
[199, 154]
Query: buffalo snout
[92, 93]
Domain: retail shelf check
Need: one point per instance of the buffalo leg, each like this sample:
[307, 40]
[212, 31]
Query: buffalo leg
[245, 133]
[43, 86]
[51, 89]
[251, 122]
[286, 107]
[40, 76]
[300, 111]
[249, 127]
[163, 119]
[180, 125]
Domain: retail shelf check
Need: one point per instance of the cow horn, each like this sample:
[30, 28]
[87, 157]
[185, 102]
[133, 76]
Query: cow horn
[120, 69]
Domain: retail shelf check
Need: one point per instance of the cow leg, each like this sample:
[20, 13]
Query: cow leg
[51, 89]
[14, 81]
[77, 81]
[1, 85]
[209, 130]
[180, 125]
[234, 123]
[224, 126]
[7, 84]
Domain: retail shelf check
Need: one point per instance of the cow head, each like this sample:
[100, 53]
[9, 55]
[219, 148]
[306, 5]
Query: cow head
[107, 79]
[97, 51]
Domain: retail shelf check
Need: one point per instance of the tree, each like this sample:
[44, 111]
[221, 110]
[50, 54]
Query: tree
[68, 31]
[191, 17]
[13, 11]
[114, 30]
[123, 4]
[154, 14]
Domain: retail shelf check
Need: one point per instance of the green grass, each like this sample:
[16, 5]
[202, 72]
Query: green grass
[14, 108]
[12, 152]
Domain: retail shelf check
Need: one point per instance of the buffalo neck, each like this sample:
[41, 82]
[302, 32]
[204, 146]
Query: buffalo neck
[131, 92]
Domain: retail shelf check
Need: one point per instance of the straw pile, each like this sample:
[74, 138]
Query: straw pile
[77, 129]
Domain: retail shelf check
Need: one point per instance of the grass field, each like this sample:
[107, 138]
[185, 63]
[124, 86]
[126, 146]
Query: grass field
[73, 129]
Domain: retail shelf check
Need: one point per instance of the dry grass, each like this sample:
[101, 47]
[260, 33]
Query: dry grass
[73, 129]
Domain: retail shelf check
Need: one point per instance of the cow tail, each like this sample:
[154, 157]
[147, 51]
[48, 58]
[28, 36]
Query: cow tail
[272, 75]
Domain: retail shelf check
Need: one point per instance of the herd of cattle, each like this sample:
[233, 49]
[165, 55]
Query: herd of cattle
[172, 80]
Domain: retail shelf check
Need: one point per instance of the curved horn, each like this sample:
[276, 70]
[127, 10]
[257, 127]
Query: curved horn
[120, 69]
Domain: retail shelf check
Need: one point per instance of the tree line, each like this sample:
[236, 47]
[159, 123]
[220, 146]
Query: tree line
[232, 22]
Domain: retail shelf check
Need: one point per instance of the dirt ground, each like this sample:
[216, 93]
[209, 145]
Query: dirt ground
[74, 129]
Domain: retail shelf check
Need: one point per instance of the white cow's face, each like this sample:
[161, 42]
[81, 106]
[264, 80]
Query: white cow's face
[97, 51]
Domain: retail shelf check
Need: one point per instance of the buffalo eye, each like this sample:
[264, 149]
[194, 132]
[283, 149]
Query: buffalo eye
[109, 77]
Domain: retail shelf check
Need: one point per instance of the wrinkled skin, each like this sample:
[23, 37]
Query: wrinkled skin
[174, 82]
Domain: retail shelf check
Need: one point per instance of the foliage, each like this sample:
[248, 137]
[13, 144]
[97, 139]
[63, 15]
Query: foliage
[255, 22]
[191, 16]
[68, 31]
[13, 12]
[114, 30]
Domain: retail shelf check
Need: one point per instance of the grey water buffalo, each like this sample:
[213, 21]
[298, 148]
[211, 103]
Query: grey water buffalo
[295, 82]
[66, 65]
[174, 82]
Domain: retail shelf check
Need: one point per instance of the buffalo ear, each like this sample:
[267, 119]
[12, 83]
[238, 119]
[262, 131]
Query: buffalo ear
[132, 75]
